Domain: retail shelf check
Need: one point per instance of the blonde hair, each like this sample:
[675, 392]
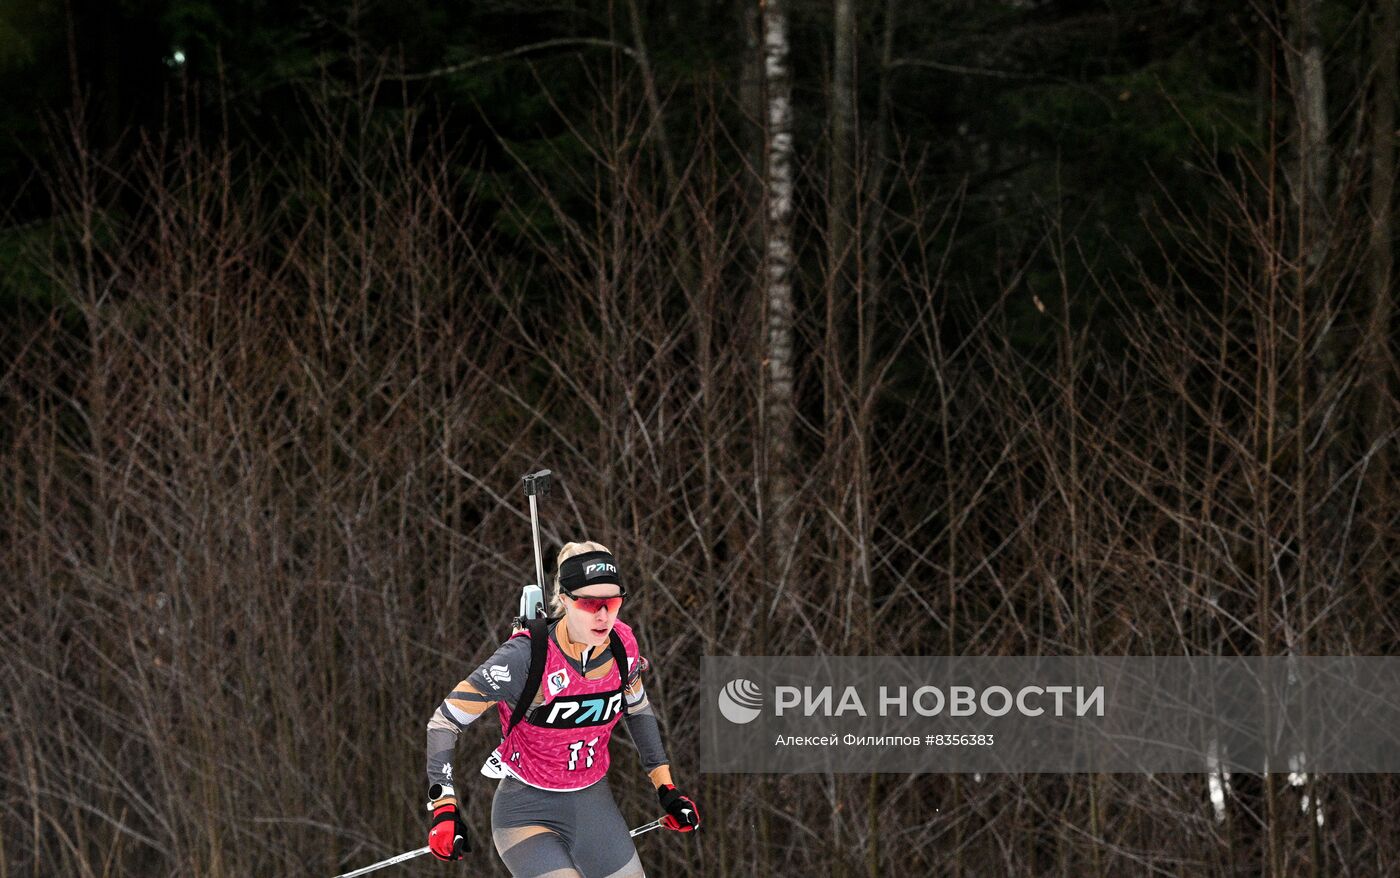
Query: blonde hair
[569, 550]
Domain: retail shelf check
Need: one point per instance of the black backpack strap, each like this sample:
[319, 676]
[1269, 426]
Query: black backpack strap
[539, 645]
[619, 654]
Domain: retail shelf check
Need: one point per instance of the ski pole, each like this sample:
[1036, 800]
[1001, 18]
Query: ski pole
[389, 862]
[645, 827]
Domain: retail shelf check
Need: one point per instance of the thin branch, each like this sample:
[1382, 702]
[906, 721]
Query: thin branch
[516, 52]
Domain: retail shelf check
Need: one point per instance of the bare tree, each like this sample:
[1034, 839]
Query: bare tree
[779, 367]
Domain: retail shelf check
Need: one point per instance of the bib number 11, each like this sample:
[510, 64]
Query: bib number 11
[574, 749]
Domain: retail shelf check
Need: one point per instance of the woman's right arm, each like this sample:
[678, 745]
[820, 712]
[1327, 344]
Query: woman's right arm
[500, 678]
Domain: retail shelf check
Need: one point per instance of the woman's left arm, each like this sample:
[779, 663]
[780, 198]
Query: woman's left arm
[646, 733]
[681, 813]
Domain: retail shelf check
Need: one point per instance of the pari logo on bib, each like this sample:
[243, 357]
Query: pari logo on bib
[573, 711]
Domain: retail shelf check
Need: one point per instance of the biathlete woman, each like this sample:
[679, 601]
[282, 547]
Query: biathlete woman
[553, 813]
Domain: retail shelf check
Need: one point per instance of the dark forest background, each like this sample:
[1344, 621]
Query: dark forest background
[912, 326]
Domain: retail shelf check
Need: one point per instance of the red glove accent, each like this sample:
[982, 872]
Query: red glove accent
[443, 836]
[681, 813]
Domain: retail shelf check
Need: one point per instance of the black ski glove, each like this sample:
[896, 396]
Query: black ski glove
[681, 813]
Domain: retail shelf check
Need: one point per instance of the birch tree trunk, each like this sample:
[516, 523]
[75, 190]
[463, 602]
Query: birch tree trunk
[1312, 378]
[838, 220]
[1314, 385]
[1310, 104]
[777, 280]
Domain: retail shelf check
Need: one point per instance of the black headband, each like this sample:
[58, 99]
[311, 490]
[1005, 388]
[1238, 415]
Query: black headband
[590, 568]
